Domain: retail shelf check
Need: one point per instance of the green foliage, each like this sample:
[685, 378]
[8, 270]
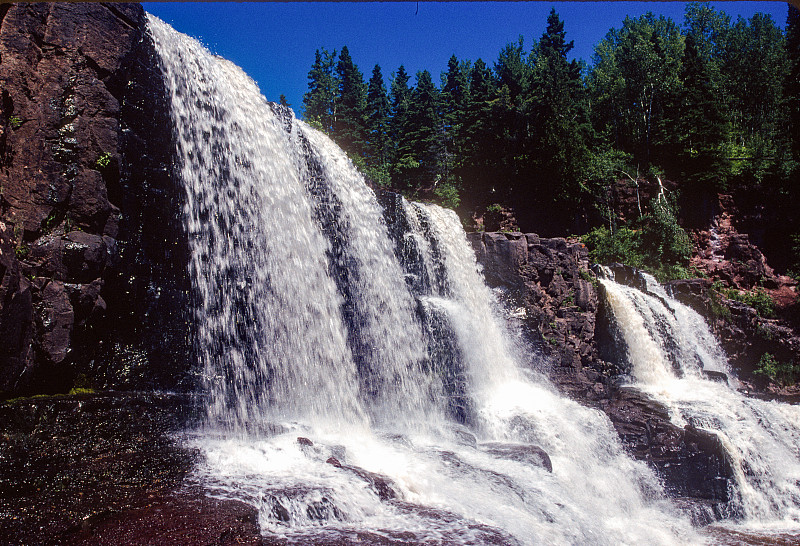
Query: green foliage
[712, 105]
[378, 145]
[494, 207]
[349, 123]
[320, 100]
[666, 241]
[15, 121]
[22, 251]
[718, 309]
[379, 175]
[622, 245]
[447, 194]
[758, 299]
[587, 276]
[51, 221]
[785, 373]
[634, 80]
[659, 245]
[765, 332]
[103, 161]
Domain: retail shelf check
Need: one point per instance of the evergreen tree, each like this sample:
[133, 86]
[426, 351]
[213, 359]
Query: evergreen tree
[377, 113]
[512, 70]
[350, 122]
[478, 169]
[320, 100]
[454, 95]
[793, 80]
[425, 133]
[400, 100]
[557, 146]
[283, 102]
[703, 125]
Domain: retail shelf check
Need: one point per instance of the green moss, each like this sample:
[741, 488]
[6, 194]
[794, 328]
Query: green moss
[81, 390]
[15, 121]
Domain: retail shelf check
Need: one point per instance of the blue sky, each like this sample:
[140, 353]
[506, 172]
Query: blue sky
[274, 42]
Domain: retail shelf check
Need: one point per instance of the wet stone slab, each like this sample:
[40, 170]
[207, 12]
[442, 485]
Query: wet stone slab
[107, 469]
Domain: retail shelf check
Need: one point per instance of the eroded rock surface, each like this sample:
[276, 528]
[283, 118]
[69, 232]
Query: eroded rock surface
[550, 279]
[93, 253]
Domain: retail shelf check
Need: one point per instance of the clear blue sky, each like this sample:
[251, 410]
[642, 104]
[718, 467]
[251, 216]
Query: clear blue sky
[275, 41]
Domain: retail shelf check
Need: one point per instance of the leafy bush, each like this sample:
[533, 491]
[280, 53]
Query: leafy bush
[447, 193]
[622, 245]
[659, 245]
[758, 299]
[665, 240]
[785, 373]
[22, 252]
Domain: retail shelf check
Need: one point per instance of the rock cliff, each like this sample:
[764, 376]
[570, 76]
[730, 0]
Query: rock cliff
[86, 202]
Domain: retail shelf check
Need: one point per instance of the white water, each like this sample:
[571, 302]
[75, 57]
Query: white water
[669, 345]
[329, 410]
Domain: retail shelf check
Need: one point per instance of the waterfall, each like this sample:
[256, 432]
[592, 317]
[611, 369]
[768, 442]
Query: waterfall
[669, 347]
[362, 386]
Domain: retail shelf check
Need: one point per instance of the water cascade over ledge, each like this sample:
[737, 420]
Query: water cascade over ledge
[670, 351]
[361, 383]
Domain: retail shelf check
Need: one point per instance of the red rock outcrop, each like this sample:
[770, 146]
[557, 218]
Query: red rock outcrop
[94, 257]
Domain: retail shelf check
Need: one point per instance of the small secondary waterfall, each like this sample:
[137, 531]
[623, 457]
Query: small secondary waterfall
[670, 347]
[362, 386]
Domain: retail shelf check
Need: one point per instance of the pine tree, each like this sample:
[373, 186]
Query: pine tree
[477, 170]
[704, 124]
[320, 100]
[350, 123]
[793, 79]
[557, 147]
[377, 113]
[424, 131]
[702, 120]
[400, 99]
[455, 92]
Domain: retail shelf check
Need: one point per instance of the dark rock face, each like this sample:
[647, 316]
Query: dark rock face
[551, 279]
[79, 160]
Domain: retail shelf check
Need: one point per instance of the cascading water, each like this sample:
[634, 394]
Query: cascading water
[670, 347]
[352, 396]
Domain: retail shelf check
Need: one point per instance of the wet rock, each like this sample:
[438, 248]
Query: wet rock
[55, 320]
[73, 464]
[16, 316]
[720, 377]
[524, 453]
[178, 518]
[560, 296]
[692, 462]
[82, 83]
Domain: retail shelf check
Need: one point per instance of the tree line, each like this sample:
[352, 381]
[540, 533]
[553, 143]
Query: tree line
[712, 103]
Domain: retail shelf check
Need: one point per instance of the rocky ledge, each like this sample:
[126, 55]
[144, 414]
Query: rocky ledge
[108, 469]
[548, 284]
